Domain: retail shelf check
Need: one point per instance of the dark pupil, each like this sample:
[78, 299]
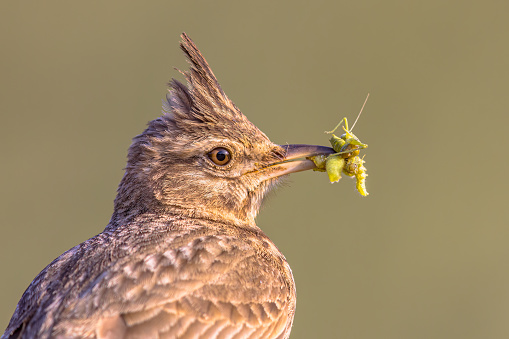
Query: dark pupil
[221, 155]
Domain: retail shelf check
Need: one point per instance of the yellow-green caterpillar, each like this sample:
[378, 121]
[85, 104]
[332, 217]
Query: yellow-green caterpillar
[346, 159]
[355, 167]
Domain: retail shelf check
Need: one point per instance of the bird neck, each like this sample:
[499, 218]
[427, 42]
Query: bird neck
[131, 204]
[136, 196]
[129, 216]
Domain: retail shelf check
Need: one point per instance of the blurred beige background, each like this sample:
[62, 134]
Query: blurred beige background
[424, 256]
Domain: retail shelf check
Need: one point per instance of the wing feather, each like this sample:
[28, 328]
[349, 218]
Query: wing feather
[199, 290]
[202, 283]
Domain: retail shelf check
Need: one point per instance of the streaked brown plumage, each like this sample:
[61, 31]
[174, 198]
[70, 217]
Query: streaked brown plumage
[182, 256]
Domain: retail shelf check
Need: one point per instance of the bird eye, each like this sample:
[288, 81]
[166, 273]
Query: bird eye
[220, 156]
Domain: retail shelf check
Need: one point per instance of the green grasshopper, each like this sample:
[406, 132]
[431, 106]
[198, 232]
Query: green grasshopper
[346, 160]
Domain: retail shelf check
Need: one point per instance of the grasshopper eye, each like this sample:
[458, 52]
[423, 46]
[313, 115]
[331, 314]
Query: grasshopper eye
[220, 156]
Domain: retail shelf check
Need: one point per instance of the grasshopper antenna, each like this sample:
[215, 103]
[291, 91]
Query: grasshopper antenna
[358, 115]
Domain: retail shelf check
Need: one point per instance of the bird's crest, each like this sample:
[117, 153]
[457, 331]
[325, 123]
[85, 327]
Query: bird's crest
[202, 105]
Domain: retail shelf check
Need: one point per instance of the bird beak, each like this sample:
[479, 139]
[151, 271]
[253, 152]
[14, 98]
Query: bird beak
[296, 159]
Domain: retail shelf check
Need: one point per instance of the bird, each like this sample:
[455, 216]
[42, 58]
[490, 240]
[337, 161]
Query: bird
[182, 256]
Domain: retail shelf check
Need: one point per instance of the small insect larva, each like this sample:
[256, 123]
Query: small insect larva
[319, 161]
[334, 165]
[355, 167]
[346, 159]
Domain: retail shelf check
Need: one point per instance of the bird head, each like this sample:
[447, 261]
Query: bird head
[203, 158]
